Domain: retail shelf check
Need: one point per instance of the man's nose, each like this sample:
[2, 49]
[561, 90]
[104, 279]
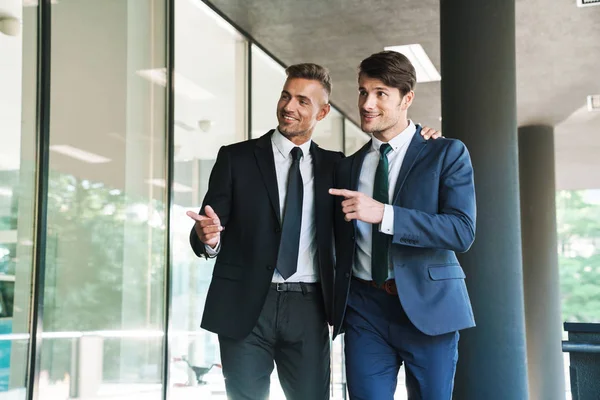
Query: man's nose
[289, 106]
[368, 103]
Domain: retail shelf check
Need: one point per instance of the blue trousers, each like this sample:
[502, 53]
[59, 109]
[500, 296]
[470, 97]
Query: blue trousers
[379, 338]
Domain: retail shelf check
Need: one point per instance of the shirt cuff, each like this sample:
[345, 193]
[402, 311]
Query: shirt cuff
[387, 223]
[213, 252]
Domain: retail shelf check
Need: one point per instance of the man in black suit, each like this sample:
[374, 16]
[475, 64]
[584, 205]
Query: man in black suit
[268, 216]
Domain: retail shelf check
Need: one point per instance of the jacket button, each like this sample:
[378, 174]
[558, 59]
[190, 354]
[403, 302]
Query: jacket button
[352, 238]
[347, 274]
[269, 268]
[277, 230]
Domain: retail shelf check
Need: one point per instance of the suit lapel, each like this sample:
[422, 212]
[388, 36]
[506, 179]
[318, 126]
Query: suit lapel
[266, 165]
[320, 184]
[417, 144]
[357, 163]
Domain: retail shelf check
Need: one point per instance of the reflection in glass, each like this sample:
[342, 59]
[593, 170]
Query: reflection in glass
[211, 59]
[268, 78]
[355, 138]
[328, 133]
[17, 187]
[105, 264]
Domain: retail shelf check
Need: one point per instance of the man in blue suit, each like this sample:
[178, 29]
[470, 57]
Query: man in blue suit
[405, 207]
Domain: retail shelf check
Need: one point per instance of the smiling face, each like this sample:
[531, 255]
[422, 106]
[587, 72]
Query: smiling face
[303, 102]
[383, 109]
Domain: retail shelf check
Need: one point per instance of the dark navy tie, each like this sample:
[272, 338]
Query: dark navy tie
[287, 258]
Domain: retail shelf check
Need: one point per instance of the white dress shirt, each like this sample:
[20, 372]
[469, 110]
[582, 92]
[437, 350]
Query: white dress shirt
[362, 265]
[307, 270]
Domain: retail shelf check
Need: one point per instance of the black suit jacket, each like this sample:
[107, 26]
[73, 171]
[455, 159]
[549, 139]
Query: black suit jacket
[243, 192]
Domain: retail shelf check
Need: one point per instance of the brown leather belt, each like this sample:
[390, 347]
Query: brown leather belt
[295, 287]
[388, 286]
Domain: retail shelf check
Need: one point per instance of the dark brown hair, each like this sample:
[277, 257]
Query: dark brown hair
[311, 71]
[392, 68]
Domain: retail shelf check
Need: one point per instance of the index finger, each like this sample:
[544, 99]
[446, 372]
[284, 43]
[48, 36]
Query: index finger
[343, 192]
[194, 216]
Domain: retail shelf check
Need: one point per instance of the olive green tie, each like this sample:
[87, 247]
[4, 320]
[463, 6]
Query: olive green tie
[381, 241]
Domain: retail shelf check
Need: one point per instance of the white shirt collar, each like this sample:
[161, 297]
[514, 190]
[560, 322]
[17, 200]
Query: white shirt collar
[399, 140]
[285, 146]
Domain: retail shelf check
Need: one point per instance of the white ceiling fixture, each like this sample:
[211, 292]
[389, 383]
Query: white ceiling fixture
[10, 26]
[79, 154]
[426, 71]
[183, 86]
[177, 187]
[587, 3]
[4, 191]
[593, 102]
[33, 3]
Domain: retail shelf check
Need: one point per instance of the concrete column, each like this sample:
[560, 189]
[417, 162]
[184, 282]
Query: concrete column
[540, 263]
[479, 108]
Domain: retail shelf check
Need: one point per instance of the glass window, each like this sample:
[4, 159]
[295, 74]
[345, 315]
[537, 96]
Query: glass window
[105, 258]
[355, 138]
[210, 111]
[578, 221]
[17, 187]
[328, 133]
[268, 78]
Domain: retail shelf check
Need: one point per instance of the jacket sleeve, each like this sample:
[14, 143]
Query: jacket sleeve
[453, 227]
[218, 196]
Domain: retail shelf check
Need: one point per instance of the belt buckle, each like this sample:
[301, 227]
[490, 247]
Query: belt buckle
[282, 286]
[390, 287]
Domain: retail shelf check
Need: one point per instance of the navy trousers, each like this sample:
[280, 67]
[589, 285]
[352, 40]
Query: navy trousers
[379, 338]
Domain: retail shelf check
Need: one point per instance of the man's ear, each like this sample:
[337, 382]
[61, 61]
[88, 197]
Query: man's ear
[323, 112]
[407, 100]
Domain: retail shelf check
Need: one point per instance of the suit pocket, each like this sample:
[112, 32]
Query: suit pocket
[228, 271]
[450, 271]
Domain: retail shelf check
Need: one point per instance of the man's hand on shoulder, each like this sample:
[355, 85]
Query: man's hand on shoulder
[428, 133]
[208, 228]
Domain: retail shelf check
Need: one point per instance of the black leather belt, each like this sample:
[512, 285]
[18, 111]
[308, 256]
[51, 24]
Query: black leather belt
[295, 287]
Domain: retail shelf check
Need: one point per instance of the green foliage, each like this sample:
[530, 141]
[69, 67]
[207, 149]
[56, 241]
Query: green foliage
[104, 269]
[579, 256]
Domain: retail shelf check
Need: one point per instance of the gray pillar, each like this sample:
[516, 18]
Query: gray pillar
[479, 108]
[540, 263]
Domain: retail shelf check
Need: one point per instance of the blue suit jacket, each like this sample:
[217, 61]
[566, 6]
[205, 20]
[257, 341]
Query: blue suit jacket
[434, 218]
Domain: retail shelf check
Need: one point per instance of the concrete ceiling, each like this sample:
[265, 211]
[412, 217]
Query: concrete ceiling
[98, 105]
[558, 59]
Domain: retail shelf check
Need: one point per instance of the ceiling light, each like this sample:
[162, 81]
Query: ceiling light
[4, 191]
[183, 85]
[587, 3]
[177, 187]
[79, 154]
[593, 102]
[33, 3]
[10, 26]
[426, 71]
